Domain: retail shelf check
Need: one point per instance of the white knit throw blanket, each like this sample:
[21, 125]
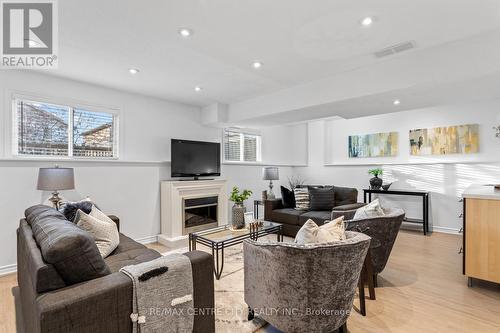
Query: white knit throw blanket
[162, 294]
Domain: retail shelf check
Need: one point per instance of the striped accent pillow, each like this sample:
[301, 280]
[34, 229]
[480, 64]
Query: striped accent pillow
[301, 198]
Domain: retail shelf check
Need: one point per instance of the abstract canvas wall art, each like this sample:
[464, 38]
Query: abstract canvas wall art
[373, 145]
[462, 139]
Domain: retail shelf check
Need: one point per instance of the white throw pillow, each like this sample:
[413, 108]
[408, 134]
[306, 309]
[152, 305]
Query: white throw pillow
[335, 229]
[373, 209]
[102, 228]
[311, 233]
[308, 233]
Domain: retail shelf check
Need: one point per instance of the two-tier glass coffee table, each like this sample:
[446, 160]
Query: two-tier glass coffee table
[217, 239]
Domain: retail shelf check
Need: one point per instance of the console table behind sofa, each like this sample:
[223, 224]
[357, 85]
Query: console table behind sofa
[425, 204]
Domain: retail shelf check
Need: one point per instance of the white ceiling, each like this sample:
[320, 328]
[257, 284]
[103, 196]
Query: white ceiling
[298, 41]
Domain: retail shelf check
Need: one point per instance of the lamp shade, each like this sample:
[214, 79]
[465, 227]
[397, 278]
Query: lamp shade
[54, 179]
[270, 173]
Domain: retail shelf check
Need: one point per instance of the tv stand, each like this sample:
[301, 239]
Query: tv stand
[195, 178]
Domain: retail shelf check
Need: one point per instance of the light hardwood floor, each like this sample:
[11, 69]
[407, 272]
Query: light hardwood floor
[422, 289]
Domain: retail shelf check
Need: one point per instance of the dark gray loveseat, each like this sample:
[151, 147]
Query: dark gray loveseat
[345, 201]
[103, 304]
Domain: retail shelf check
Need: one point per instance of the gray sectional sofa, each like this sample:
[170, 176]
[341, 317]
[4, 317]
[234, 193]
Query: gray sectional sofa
[345, 204]
[63, 297]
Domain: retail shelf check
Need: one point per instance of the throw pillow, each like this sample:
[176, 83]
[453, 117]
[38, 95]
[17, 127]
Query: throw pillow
[311, 233]
[69, 208]
[301, 198]
[287, 198]
[321, 198]
[335, 228]
[373, 209]
[102, 228]
[308, 233]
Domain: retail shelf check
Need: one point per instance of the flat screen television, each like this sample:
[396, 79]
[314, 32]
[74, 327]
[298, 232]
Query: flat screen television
[194, 158]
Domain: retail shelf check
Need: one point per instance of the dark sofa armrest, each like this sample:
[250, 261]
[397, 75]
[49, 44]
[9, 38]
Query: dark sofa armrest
[202, 264]
[116, 220]
[100, 305]
[105, 304]
[269, 206]
[348, 211]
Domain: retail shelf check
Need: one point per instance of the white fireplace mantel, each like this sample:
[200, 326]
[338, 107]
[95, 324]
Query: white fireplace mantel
[173, 193]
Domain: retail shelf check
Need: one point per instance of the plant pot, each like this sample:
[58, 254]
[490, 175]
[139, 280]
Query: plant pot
[238, 221]
[375, 183]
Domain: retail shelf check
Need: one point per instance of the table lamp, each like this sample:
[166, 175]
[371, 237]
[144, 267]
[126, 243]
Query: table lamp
[270, 173]
[55, 179]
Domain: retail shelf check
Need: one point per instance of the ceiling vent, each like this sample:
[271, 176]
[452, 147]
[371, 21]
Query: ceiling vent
[401, 47]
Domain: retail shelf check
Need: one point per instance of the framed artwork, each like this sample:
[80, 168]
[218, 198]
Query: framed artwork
[461, 139]
[373, 145]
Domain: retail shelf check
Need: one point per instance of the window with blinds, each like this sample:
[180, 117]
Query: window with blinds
[241, 147]
[44, 129]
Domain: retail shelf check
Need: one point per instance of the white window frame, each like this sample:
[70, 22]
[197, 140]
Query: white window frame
[242, 133]
[71, 105]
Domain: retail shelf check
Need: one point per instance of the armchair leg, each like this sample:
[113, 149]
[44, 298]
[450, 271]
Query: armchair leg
[362, 306]
[375, 280]
[369, 275]
[251, 314]
[343, 328]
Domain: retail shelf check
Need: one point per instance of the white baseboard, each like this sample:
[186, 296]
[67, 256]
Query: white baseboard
[8, 269]
[147, 240]
[173, 242]
[445, 230]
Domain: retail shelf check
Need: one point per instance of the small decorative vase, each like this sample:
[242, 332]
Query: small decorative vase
[375, 183]
[386, 186]
[238, 221]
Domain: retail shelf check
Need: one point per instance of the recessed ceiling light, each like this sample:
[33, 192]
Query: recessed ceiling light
[257, 64]
[367, 21]
[396, 102]
[198, 88]
[133, 70]
[185, 32]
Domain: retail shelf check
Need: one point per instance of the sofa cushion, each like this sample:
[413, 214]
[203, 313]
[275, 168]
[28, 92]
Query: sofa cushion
[127, 244]
[321, 198]
[318, 216]
[129, 252]
[287, 215]
[36, 213]
[70, 249]
[287, 197]
[42, 276]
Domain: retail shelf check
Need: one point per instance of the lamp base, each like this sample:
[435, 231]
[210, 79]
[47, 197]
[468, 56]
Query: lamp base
[55, 199]
[270, 193]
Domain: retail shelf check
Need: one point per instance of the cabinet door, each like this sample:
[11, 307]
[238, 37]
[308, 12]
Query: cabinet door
[482, 239]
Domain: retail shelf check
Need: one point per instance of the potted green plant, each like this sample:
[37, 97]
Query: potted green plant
[238, 221]
[375, 182]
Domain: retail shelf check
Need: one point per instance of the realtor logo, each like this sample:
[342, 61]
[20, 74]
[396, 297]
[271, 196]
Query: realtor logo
[29, 34]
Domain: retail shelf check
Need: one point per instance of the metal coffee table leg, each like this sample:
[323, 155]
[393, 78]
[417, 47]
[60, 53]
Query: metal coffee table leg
[215, 253]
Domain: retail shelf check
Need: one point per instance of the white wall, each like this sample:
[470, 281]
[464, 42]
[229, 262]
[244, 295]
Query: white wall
[129, 187]
[129, 190]
[445, 177]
